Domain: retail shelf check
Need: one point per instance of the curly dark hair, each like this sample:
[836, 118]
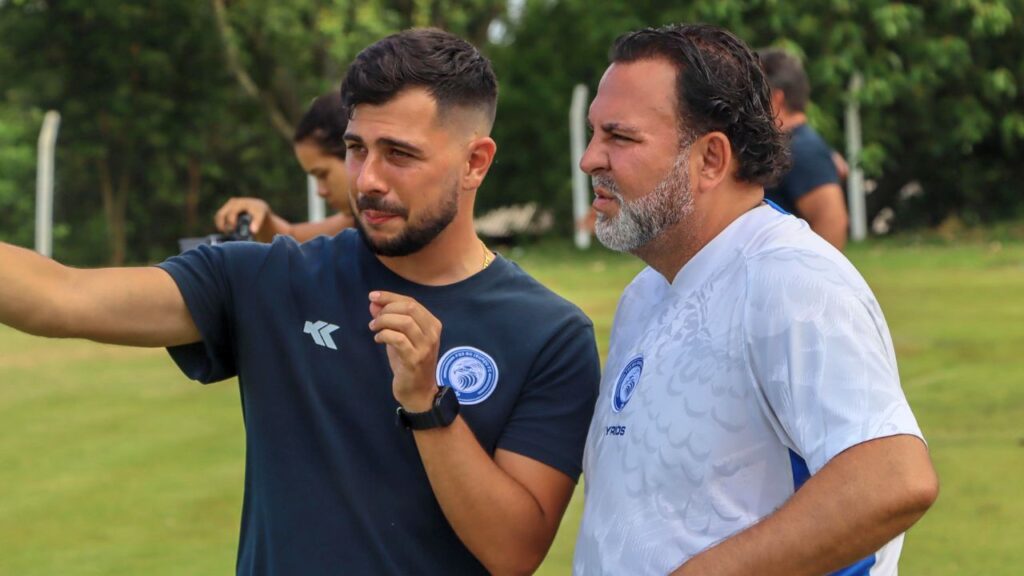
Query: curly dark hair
[720, 87]
[324, 124]
[452, 71]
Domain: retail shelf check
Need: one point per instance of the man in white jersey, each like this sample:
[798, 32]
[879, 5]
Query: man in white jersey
[751, 419]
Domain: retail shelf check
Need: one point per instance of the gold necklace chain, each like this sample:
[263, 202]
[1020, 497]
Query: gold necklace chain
[488, 255]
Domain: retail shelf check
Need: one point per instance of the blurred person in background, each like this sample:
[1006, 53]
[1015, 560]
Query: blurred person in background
[811, 188]
[319, 146]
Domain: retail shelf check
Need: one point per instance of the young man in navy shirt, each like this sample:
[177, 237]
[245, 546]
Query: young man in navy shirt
[414, 403]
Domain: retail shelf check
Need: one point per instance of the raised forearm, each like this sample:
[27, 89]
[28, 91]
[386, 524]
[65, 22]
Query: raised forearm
[330, 226]
[857, 503]
[272, 226]
[494, 515]
[506, 509]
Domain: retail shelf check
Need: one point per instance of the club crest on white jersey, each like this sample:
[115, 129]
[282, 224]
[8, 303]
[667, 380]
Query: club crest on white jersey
[627, 382]
[471, 373]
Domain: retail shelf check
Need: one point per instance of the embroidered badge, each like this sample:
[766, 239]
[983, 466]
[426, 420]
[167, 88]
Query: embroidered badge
[626, 384]
[471, 373]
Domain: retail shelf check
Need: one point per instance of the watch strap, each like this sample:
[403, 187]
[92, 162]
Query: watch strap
[440, 415]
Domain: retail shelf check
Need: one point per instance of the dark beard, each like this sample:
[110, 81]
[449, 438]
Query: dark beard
[415, 237]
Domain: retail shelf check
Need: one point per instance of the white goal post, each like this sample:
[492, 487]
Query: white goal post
[44, 182]
[580, 184]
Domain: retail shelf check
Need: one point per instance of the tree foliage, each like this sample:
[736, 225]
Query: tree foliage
[171, 106]
[17, 170]
[942, 103]
[143, 97]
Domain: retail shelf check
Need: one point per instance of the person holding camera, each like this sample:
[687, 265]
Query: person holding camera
[319, 146]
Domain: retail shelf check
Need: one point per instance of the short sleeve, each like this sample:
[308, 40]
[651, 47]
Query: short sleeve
[812, 168]
[550, 420]
[202, 276]
[822, 358]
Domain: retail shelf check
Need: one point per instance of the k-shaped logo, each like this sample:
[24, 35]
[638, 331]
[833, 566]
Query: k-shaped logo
[321, 333]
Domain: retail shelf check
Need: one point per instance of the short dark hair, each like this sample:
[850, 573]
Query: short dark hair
[719, 87]
[452, 71]
[324, 123]
[785, 72]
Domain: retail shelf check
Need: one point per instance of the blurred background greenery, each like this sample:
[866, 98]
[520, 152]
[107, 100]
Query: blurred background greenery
[172, 106]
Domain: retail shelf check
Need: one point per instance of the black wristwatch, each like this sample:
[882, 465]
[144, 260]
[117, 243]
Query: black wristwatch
[441, 414]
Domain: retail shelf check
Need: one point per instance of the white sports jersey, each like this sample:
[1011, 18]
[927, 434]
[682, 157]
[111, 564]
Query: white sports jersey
[765, 357]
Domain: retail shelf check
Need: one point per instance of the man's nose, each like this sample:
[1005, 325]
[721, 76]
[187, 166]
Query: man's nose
[369, 179]
[594, 159]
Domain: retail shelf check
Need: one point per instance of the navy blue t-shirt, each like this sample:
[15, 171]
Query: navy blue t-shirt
[812, 167]
[332, 485]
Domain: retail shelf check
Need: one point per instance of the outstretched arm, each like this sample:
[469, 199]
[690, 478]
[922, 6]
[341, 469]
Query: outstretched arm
[133, 306]
[861, 499]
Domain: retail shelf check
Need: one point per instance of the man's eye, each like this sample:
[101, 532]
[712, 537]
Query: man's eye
[354, 147]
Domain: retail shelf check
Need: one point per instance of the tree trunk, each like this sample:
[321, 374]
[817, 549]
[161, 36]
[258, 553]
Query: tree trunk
[118, 223]
[195, 179]
[227, 37]
[114, 203]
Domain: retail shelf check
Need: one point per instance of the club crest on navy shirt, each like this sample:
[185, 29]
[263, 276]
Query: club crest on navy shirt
[470, 372]
[627, 382]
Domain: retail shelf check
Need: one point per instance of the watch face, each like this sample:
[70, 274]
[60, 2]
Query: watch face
[441, 414]
[447, 405]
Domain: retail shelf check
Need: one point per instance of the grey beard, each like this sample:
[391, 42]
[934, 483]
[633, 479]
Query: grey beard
[642, 220]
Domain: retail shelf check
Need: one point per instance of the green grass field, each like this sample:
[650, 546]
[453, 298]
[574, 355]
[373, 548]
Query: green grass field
[112, 463]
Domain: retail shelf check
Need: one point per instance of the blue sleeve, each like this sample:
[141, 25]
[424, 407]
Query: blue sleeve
[812, 167]
[550, 421]
[203, 277]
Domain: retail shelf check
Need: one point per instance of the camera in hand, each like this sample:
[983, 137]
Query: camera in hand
[242, 232]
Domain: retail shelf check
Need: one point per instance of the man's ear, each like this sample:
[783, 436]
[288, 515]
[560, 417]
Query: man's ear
[712, 154]
[778, 105]
[481, 155]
